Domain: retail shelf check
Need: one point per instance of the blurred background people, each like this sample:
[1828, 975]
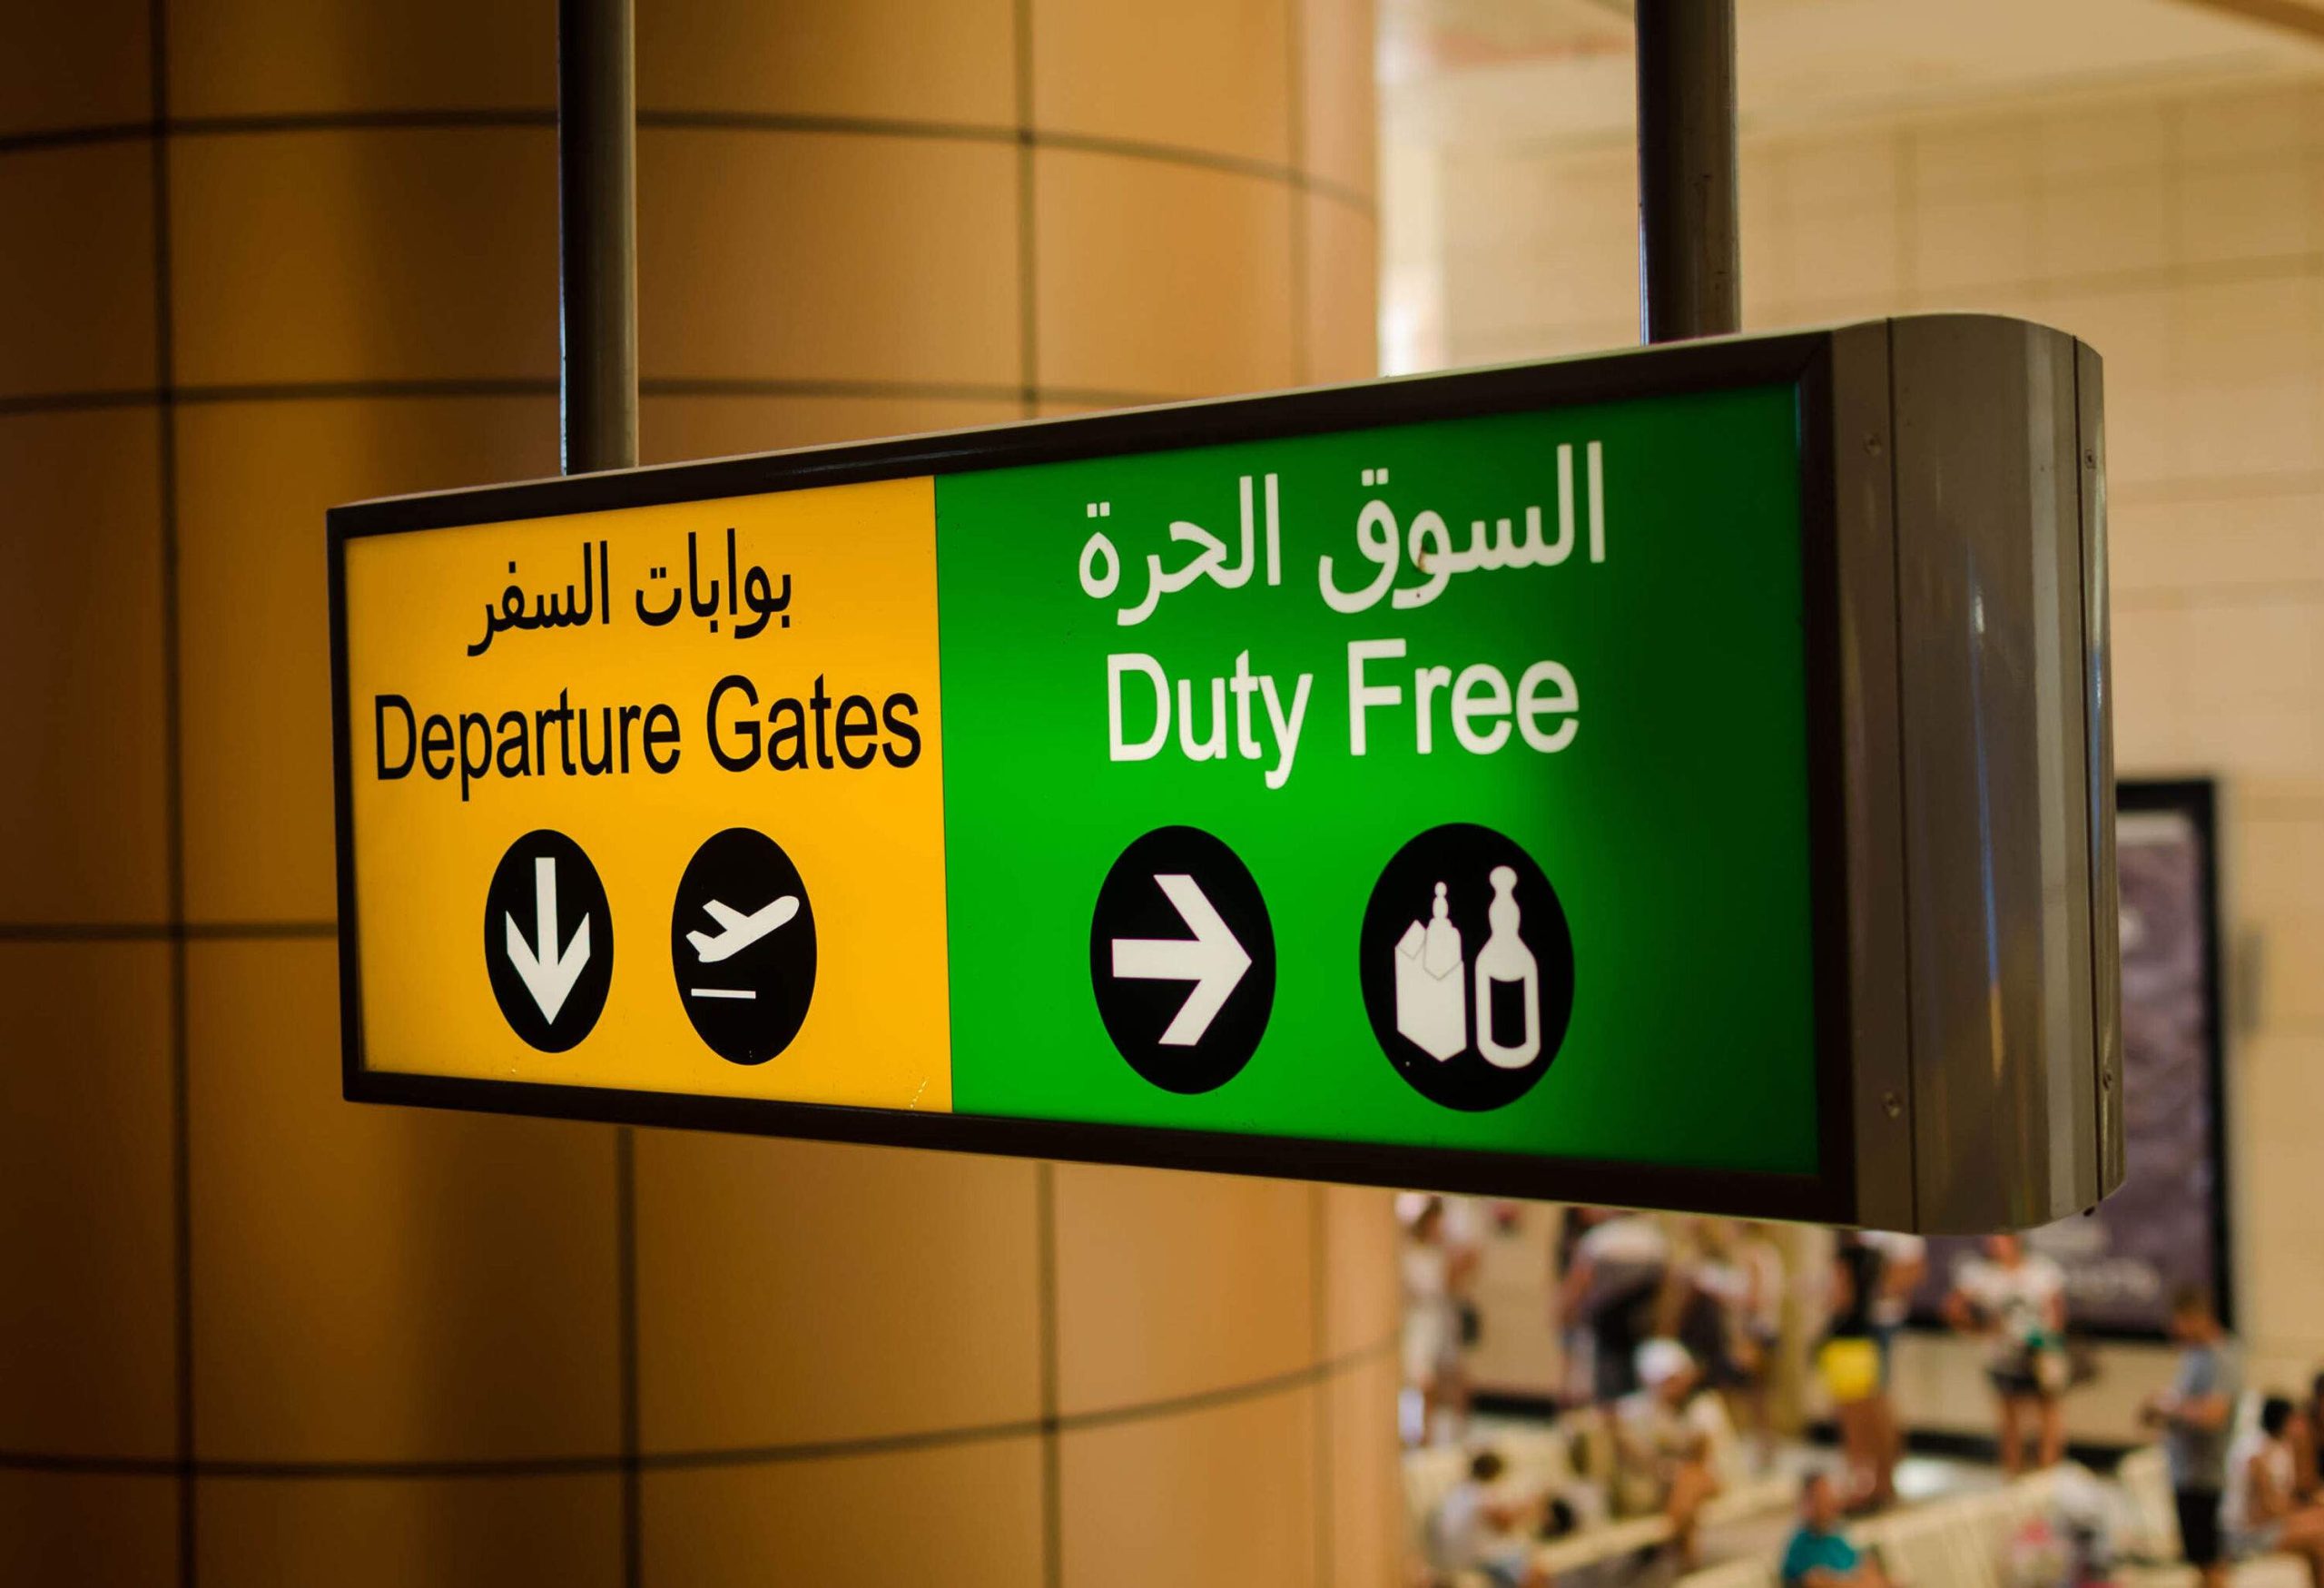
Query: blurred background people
[1485, 1524]
[1855, 1372]
[1905, 1264]
[1435, 1269]
[2017, 1302]
[1690, 1309]
[1743, 1270]
[2261, 1515]
[1577, 1377]
[2195, 1415]
[1608, 1292]
[1819, 1554]
[2307, 1440]
[2085, 1516]
[1662, 1455]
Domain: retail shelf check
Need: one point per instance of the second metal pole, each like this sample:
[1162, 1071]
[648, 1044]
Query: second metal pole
[596, 168]
[1689, 280]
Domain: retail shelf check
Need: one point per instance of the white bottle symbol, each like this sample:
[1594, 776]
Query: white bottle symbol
[1443, 952]
[1505, 957]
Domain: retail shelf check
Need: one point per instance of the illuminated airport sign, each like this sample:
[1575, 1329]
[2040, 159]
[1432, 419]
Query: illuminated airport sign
[1465, 781]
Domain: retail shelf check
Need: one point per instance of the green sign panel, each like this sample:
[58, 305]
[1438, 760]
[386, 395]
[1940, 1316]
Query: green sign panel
[1672, 778]
[1517, 621]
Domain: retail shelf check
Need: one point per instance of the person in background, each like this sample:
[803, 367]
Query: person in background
[1617, 1272]
[2018, 1302]
[1905, 1264]
[1577, 1378]
[1819, 1556]
[2260, 1512]
[1691, 1310]
[1433, 1274]
[1662, 1458]
[1849, 1363]
[2082, 1518]
[2194, 1415]
[1744, 1271]
[1463, 1235]
[2308, 1441]
[1482, 1524]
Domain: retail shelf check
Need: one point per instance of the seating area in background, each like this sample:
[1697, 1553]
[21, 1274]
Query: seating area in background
[1570, 1461]
[1983, 1534]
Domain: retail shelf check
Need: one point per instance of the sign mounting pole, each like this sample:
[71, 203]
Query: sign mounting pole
[596, 181]
[597, 165]
[1688, 279]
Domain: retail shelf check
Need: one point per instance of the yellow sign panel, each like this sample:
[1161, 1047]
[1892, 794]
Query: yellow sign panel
[641, 681]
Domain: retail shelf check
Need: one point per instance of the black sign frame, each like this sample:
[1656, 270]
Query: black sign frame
[1802, 360]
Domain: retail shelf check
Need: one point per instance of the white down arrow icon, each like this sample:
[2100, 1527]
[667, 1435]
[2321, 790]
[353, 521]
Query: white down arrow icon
[547, 975]
[1214, 960]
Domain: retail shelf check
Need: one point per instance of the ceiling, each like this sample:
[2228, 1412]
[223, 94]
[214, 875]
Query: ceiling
[1557, 70]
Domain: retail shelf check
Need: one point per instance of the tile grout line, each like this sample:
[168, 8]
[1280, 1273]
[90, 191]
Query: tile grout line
[173, 800]
[1195, 1402]
[1908, 214]
[1052, 1465]
[1319, 1258]
[1296, 142]
[482, 119]
[1029, 347]
[633, 1497]
[546, 387]
[52, 931]
[2251, 269]
[1208, 159]
[1052, 1478]
[2242, 595]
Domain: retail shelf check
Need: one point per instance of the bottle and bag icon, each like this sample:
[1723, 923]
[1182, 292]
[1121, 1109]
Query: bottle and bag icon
[1432, 984]
[1465, 960]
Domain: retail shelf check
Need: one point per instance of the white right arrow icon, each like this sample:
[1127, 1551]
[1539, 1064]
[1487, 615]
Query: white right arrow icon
[549, 976]
[1214, 960]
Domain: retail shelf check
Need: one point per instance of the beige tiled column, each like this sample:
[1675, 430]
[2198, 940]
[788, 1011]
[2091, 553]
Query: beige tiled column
[265, 255]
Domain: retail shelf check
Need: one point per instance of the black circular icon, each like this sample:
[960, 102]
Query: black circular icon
[548, 939]
[1467, 967]
[743, 943]
[1181, 960]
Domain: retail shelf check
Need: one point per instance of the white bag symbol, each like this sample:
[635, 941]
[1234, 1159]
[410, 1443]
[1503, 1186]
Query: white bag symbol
[1432, 984]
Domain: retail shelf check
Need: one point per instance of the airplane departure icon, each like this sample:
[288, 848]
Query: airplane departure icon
[757, 945]
[737, 930]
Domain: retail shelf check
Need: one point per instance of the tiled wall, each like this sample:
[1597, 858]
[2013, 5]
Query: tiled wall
[261, 256]
[2181, 233]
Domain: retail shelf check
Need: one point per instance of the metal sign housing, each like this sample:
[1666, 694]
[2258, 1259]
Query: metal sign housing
[1678, 777]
